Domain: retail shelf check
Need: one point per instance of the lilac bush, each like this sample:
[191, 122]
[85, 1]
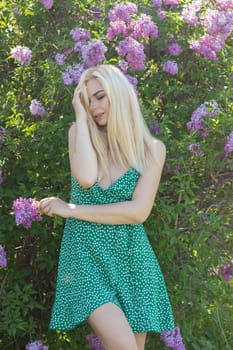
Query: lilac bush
[186, 103]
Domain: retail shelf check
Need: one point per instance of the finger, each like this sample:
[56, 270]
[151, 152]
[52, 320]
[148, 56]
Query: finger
[47, 211]
[44, 205]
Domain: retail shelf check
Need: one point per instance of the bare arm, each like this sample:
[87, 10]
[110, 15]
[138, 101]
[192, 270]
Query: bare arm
[83, 160]
[129, 212]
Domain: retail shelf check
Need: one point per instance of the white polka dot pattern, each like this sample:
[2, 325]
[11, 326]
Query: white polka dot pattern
[102, 263]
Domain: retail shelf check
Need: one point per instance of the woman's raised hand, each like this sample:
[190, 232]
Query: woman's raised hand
[79, 109]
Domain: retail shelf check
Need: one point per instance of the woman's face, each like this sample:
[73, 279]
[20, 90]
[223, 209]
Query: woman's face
[98, 102]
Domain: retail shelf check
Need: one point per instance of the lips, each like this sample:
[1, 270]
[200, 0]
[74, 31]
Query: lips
[99, 115]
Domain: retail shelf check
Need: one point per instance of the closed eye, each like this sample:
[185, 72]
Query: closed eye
[100, 97]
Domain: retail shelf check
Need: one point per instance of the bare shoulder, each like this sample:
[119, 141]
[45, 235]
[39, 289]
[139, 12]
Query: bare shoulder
[159, 150]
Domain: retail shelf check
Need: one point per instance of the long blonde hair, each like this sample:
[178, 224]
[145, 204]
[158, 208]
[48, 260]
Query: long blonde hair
[127, 137]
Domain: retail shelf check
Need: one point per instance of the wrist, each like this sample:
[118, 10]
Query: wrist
[72, 210]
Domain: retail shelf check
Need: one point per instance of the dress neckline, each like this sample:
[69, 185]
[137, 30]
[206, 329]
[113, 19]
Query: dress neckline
[114, 182]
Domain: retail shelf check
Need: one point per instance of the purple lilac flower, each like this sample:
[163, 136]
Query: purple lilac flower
[143, 27]
[96, 12]
[189, 12]
[2, 130]
[174, 49]
[227, 271]
[94, 342]
[161, 14]
[1, 177]
[195, 149]
[78, 46]
[22, 54]
[16, 11]
[60, 59]
[175, 170]
[133, 51]
[26, 211]
[132, 81]
[172, 2]
[197, 122]
[214, 271]
[36, 108]
[80, 34]
[229, 145]
[157, 3]
[173, 339]
[93, 53]
[170, 67]
[115, 28]
[72, 74]
[3, 262]
[208, 46]
[156, 129]
[122, 12]
[48, 4]
[224, 5]
[123, 65]
[218, 22]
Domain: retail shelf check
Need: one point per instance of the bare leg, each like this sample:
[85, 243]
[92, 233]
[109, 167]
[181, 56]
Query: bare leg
[140, 340]
[111, 326]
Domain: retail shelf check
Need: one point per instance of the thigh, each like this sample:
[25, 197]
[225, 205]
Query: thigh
[140, 340]
[111, 326]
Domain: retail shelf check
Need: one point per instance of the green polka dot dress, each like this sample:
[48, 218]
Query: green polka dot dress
[109, 263]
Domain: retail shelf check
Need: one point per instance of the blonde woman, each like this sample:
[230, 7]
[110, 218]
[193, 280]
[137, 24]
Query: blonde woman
[108, 274]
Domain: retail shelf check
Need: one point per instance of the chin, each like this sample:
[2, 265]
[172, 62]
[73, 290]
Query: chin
[102, 124]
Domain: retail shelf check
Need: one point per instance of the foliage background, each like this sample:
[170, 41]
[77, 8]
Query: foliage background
[191, 224]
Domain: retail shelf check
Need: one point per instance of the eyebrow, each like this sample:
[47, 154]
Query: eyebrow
[96, 93]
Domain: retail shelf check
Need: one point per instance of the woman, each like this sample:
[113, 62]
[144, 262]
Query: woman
[108, 274]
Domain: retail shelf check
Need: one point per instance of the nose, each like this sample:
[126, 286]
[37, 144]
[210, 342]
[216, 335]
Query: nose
[92, 105]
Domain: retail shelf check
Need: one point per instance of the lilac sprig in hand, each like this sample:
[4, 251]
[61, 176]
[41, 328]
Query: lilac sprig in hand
[26, 211]
[173, 339]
